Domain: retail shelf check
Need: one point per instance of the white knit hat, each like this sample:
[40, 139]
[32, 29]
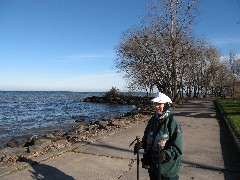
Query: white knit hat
[162, 98]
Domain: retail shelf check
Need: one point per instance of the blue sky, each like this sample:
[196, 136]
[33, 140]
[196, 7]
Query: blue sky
[69, 44]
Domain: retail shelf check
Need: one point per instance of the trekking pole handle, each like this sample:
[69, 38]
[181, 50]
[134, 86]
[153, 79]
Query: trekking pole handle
[137, 139]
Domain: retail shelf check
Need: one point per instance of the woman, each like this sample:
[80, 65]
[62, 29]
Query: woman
[162, 142]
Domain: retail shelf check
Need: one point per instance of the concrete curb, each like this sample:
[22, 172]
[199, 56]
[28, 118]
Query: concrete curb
[221, 116]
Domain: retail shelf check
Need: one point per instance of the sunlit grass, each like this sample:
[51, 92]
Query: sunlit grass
[231, 110]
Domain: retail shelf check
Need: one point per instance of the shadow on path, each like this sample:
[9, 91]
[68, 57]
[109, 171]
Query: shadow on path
[211, 168]
[227, 170]
[230, 154]
[195, 115]
[43, 171]
[110, 146]
[206, 109]
[198, 109]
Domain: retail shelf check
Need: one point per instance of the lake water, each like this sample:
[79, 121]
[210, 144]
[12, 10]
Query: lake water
[24, 113]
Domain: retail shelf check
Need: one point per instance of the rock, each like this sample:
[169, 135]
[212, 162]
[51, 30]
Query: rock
[72, 138]
[40, 143]
[90, 128]
[58, 133]
[79, 120]
[10, 155]
[79, 126]
[130, 100]
[79, 130]
[102, 126]
[128, 122]
[61, 144]
[51, 136]
[12, 143]
[29, 143]
[5, 158]
[33, 149]
[16, 143]
[105, 118]
[117, 124]
[96, 122]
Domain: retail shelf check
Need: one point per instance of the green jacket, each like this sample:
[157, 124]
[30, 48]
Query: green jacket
[164, 129]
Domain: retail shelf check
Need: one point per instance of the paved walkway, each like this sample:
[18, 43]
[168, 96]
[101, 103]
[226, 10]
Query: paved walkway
[208, 153]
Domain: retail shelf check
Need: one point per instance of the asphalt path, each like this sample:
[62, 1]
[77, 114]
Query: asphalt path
[208, 152]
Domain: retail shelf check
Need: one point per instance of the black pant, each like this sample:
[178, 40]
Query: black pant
[154, 176]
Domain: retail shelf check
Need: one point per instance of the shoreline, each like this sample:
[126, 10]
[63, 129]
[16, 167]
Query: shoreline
[18, 149]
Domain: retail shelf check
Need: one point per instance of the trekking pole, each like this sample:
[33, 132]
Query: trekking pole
[138, 141]
[159, 163]
[136, 151]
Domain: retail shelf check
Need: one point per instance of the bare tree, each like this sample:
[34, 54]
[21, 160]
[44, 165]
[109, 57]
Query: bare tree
[173, 20]
[237, 68]
[234, 68]
[164, 54]
[137, 53]
[194, 62]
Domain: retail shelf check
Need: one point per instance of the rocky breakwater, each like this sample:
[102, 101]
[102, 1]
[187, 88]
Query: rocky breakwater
[20, 150]
[121, 99]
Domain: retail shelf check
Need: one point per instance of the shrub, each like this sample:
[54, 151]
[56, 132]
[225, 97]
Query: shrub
[113, 92]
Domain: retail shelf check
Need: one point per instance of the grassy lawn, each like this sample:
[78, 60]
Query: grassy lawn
[231, 109]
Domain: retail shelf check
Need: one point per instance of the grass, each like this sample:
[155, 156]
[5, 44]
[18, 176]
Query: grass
[231, 110]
